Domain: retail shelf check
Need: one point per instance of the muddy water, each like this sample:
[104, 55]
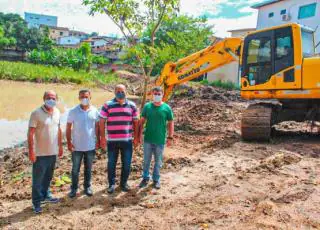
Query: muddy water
[19, 99]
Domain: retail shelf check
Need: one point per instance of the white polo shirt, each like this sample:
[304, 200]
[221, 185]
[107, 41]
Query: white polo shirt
[83, 127]
[47, 129]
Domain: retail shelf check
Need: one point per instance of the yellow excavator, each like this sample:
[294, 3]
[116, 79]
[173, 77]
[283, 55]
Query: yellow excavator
[278, 67]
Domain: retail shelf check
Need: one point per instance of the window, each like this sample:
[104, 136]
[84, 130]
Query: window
[271, 15]
[307, 11]
[307, 43]
[284, 49]
[258, 65]
[61, 33]
[283, 12]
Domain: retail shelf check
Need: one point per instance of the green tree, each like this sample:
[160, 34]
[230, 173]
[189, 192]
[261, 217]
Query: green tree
[14, 27]
[132, 17]
[178, 37]
[93, 34]
[4, 42]
[85, 53]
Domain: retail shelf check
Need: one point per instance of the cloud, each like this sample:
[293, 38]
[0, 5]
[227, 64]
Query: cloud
[225, 14]
[222, 25]
[71, 13]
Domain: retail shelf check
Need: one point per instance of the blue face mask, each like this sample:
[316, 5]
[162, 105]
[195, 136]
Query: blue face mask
[50, 103]
[120, 95]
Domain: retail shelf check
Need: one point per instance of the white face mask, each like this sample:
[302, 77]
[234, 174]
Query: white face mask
[85, 101]
[157, 98]
[50, 103]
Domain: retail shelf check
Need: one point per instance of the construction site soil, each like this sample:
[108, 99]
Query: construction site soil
[211, 179]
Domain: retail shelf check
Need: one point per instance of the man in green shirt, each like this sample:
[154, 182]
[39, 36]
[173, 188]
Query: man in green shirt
[158, 117]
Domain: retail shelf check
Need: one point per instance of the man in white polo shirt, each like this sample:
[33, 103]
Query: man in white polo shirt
[45, 143]
[83, 138]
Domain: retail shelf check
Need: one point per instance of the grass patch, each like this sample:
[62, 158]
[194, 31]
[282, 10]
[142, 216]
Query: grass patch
[220, 84]
[20, 71]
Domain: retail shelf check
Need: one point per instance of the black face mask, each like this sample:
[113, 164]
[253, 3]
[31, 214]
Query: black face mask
[120, 95]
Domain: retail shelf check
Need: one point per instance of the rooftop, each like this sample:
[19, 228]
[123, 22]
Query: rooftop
[55, 27]
[265, 3]
[28, 13]
[244, 29]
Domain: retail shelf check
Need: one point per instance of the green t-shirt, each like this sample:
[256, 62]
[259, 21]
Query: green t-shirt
[156, 125]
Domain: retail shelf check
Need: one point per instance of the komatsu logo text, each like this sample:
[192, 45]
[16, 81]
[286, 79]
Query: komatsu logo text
[189, 73]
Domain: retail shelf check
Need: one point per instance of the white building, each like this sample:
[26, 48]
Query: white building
[35, 20]
[69, 41]
[277, 12]
[241, 33]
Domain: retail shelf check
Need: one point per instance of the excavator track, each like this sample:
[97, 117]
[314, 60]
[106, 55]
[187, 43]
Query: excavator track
[256, 123]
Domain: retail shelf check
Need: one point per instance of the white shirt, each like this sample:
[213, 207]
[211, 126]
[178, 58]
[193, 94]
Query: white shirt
[83, 129]
[47, 129]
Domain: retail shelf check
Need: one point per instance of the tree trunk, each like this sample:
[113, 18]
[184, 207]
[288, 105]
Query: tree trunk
[145, 89]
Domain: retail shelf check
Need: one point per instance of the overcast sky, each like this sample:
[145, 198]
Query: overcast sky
[224, 14]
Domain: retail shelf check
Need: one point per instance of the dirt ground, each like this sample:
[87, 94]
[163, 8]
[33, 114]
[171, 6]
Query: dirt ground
[211, 179]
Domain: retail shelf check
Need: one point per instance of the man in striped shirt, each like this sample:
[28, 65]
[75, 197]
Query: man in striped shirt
[121, 116]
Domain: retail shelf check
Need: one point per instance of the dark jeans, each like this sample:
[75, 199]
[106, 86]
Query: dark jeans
[42, 173]
[125, 148]
[88, 157]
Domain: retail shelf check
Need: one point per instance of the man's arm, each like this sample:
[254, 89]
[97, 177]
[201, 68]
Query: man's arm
[97, 129]
[32, 155]
[136, 132]
[102, 126]
[68, 135]
[60, 142]
[170, 127]
[141, 124]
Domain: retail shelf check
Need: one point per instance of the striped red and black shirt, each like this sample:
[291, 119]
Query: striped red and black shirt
[119, 119]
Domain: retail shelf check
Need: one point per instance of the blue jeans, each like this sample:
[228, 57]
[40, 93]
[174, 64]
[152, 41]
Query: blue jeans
[42, 173]
[149, 150]
[88, 157]
[125, 148]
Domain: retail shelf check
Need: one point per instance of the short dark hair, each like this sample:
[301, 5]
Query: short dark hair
[81, 91]
[157, 89]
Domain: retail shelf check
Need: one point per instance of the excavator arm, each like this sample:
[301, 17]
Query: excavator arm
[214, 56]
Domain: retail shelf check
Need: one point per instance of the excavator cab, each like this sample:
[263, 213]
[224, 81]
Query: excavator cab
[272, 60]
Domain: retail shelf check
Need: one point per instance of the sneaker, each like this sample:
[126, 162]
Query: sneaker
[111, 189]
[143, 183]
[51, 200]
[72, 193]
[125, 188]
[37, 210]
[156, 184]
[88, 191]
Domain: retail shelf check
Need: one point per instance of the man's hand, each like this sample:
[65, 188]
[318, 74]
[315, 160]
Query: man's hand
[32, 157]
[97, 145]
[70, 147]
[169, 142]
[136, 143]
[60, 151]
[103, 144]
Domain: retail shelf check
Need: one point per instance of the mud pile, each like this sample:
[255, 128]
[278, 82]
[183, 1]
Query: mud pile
[207, 117]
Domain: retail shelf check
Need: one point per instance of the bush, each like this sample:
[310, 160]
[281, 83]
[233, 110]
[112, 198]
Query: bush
[32, 72]
[220, 84]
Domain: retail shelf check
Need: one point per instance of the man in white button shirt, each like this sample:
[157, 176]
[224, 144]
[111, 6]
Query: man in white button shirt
[83, 138]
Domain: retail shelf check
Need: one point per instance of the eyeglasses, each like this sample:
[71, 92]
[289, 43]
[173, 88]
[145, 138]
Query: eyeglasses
[157, 94]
